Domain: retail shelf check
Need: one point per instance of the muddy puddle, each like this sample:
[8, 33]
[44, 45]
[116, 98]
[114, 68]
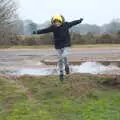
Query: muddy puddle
[32, 62]
[36, 67]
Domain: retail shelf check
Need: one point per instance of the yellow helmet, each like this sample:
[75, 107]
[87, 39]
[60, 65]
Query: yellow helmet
[59, 18]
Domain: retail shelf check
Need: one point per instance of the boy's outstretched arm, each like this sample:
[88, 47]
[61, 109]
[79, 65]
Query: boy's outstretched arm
[70, 24]
[43, 31]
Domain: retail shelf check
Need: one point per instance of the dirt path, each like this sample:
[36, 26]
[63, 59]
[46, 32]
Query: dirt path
[74, 53]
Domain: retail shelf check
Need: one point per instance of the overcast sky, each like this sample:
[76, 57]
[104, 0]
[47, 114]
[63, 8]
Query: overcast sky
[93, 11]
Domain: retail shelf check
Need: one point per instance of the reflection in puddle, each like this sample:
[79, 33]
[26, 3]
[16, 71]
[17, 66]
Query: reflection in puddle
[43, 71]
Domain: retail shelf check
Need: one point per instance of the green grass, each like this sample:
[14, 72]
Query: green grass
[52, 46]
[79, 97]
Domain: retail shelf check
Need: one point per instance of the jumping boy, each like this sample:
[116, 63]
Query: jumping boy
[60, 29]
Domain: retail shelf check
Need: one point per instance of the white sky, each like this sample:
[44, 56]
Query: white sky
[93, 11]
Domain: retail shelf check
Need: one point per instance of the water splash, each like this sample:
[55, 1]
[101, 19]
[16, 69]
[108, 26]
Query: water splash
[89, 67]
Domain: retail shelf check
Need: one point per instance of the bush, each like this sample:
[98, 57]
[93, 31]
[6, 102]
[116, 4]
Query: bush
[35, 40]
[47, 39]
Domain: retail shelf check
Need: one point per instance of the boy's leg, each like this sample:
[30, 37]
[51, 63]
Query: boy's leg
[60, 63]
[67, 69]
[65, 57]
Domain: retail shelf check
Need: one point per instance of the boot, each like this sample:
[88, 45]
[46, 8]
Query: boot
[67, 69]
[61, 76]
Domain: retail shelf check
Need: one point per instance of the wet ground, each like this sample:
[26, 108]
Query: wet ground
[31, 61]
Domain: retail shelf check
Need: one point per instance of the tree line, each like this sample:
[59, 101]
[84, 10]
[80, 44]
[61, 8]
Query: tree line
[110, 28]
[14, 31]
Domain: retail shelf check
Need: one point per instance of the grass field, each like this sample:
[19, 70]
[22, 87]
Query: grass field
[79, 97]
[52, 46]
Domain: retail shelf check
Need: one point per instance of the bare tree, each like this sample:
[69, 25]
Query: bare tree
[7, 11]
[8, 16]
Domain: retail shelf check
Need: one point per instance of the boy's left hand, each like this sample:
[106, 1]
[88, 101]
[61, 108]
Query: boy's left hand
[34, 32]
[81, 19]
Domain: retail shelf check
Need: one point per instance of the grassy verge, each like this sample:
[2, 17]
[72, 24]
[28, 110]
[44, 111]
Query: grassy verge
[97, 46]
[52, 46]
[79, 97]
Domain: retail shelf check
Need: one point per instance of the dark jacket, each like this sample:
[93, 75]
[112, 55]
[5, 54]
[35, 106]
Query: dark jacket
[61, 34]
